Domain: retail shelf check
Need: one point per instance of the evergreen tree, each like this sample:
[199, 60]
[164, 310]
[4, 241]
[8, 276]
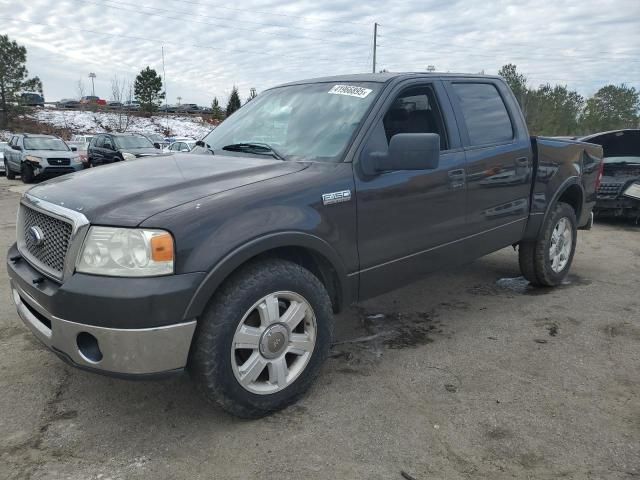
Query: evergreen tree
[216, 109]
[234, 101]
[13, 77]
[148, 90]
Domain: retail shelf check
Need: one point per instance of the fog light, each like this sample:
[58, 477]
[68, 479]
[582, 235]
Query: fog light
[88, 347]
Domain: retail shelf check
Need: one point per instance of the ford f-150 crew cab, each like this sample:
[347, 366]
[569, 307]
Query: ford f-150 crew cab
[231, 260]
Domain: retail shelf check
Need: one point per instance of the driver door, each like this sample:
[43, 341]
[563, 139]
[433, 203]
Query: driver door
[409, 220]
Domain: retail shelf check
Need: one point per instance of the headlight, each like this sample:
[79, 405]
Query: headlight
[126, 252]
[128, 156]
[633, 191]
[32, 158]
[75, 159]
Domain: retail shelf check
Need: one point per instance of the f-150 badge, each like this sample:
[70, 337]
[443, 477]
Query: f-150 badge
[336, 197]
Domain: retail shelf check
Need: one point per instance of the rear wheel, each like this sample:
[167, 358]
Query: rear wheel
[546, 261]
[8, 171]
[27, 173]
[263, 338]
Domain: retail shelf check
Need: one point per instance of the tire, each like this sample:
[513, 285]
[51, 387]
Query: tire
[217, 365]
[536, 262]
[27, 173]
[8, 172]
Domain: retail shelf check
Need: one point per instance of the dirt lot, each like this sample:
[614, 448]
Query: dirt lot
[467, 374]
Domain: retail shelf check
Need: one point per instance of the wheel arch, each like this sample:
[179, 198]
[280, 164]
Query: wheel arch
[571, 192]
[305, 249]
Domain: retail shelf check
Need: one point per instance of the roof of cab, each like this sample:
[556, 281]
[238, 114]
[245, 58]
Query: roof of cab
[384, 77]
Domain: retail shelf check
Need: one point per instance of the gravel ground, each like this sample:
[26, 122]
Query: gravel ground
[469, 373]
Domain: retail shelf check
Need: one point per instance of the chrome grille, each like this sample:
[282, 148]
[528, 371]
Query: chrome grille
[56, 238]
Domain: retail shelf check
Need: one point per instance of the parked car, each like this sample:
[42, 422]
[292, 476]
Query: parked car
[31, 99]
[113, 105]
[3, 145]
[68, 103]
[116, 147]
[619, 192]
[314, 195]
[92, 100]
[184, 145]
[86, 139]
[188, 108]
[157, 140]
[39, 156]
[130, 105]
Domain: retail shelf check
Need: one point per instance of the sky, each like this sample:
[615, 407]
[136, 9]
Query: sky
[211, 45]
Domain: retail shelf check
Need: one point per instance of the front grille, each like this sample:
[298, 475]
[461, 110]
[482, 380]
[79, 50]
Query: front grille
[610, 189]
[56, 237]
[58, 161]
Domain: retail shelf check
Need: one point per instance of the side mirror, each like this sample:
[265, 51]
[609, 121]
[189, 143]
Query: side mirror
[200, 143]
[74, 149]
[157, 145]
[408, 151]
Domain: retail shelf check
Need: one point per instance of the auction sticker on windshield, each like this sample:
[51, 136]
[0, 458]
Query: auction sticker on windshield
[350, 90]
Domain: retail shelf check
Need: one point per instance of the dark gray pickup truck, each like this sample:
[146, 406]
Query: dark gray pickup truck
[231, 261]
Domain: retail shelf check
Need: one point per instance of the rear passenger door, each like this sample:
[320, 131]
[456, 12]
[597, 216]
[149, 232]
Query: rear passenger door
[498, 162]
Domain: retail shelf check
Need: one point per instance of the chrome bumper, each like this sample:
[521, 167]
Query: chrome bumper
[119, 351]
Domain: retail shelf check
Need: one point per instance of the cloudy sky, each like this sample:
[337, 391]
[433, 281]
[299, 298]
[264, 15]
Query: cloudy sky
[210, 45]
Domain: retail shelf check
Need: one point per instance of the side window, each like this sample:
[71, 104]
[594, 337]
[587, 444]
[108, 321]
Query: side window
[12, 142]
[99, 141]
[107, 142]
[484, 113]
[415, 110]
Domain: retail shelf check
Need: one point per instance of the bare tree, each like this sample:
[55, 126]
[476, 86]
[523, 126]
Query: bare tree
[121, 92]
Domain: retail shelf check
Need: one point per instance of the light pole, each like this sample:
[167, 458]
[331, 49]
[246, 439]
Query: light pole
[93, 87]
[179, 98]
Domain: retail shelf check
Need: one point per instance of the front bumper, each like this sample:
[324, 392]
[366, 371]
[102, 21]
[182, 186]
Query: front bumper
[124, 352]
[117, 326]
[617, 207]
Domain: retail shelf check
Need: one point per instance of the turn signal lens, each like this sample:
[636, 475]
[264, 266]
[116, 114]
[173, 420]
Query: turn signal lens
[162, 248]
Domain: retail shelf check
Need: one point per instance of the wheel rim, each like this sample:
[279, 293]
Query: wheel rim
[273, 343]
[561, 243]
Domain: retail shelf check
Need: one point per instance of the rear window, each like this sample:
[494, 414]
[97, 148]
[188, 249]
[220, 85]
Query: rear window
[484, 112]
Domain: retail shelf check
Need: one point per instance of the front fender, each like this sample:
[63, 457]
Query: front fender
[228, 264]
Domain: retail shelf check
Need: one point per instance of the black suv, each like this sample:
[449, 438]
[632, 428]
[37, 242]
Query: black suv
[116, 147]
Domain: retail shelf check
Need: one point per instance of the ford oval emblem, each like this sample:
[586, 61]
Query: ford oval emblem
[36, 236]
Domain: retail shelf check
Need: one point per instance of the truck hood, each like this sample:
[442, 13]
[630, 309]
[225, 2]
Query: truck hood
[127, 193]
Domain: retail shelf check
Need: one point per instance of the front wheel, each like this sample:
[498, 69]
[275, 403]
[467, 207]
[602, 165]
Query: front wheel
[546, 261]
[27, 173]
[263, 338]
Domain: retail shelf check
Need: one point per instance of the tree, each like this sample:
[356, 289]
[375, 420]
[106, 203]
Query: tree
[13, 77]
[148, 90]
[121, 92]
[234, 101]
[611, 108]
[216, 109]
[518, 84]
[553, 110]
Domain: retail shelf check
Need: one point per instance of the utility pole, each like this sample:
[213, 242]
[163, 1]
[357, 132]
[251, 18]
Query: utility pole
[93, 87]
[375, 41]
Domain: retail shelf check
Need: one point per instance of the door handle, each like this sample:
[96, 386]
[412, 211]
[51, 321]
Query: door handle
[456, 174]
[524, 161]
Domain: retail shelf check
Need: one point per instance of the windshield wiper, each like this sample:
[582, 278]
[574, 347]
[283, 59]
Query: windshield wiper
[255, 147]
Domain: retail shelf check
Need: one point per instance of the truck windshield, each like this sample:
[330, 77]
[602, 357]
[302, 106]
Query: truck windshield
[302, 122]
[43, 143]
